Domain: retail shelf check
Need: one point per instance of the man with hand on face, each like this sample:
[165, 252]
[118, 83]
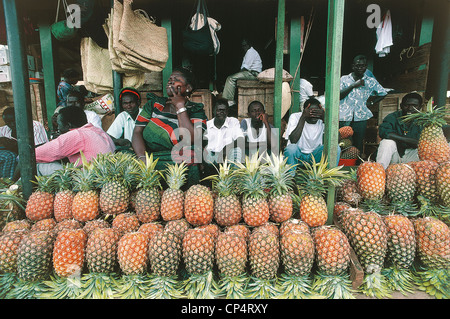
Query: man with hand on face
[224, 136]
[121, 130]
[355, 90]
[304, 134]
[400, 139]
[257, 130]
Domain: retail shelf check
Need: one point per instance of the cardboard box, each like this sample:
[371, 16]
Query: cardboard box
[5, 73]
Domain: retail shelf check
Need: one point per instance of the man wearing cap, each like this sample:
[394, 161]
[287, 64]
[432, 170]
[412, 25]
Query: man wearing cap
[399, 138]
[121, 130]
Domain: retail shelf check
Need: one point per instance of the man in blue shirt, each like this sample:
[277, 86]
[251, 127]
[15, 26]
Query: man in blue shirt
[355, 90]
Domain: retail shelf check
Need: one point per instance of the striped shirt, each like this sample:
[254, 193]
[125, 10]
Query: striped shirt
[40, 135]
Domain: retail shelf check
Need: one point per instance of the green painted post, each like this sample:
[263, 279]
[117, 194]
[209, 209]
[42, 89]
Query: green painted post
[167, 71]
[332, 82]
[21, 95]
[45, 35]
[294, 60]
[117, 84]
[279, 64]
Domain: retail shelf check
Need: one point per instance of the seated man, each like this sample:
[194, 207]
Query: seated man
[76, 135]
[8, 142]
[76, 98]
[304, 134]
[121, 130]
[399, 138]
[257, 130]
[224, 136]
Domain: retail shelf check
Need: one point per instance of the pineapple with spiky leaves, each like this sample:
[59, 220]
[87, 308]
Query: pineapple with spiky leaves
[101, 260]
[148, 197]
[231, 258]
[367, 235]
[34, 262]
[432, 142]
[313, 181]
[199, 205]
[85, 204]
[297, 256]
[172, 200]
[252, 185]
[401, 187]
[227, 207]
[165, 249]
[198, 256]
[12, 204]
[433, 250]
[401, 250]
[64, 193]
[114, 176]
[280, 181]
[40, 202]
[332, 279]
[264, 259]
[132, 255]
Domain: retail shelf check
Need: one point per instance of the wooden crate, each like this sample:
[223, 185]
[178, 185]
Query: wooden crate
[389, 104]
[251, 90]
[204, 96]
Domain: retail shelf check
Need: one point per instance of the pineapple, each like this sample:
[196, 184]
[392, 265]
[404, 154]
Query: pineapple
[264, 259]
[165, 249]
[172, 201]
[433, 250]
[91, 225]
[85, 204]
[401, 187]
[339, 208]
[212, 228]
[125, 223]
[227, 207]
[281, 182]
[351, 152]
[231, 258]
[179, 227]
[64, 194]
[426, 179]
[132, 255]
[44, 224]
[22, 224]
[114, 176]
[345, 132]
[297, 256]
[371, 179]
[239, 229]
[348, 191]
[313, 181]
[198, 256]
[332, 279]
[293, 224]
[40, 202]
[344, 144]
[432, 143]
[252, 185]
[11, 204]
[9, 245]
[367, 235]
[148, 197]
[34, 262]
[101, 260]
[443, 183]
[150, 229]
[198, 205]
[401, 251]
[67, 224]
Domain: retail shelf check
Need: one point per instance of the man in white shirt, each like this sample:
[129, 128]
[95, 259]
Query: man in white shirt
[224, 136]
[304, 134]
[250, 68]
[121, 130]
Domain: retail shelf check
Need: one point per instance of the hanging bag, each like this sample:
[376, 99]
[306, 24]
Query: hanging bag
[59, 29]
[197, 36]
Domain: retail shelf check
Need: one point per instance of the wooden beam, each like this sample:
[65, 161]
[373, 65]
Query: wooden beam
[332, 83]
[21, 95]
[48, 67]
[294, 60]
[279, 64]
[167, 71]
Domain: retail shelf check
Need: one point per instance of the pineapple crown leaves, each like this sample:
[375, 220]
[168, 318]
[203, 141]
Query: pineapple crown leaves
[251, 182]
[278, 174]
[315, 177]
[224, 182]
[148, 175]
[431, 116]
[45, 183]
[119, 167]
[175, 175]
[64, 177]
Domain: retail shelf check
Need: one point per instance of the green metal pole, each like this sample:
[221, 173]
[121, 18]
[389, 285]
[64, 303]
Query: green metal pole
[279, 64]
[167, 71]
[332, 83]
[117, 84]
[45, 35]
[21, 95]
[294, 60]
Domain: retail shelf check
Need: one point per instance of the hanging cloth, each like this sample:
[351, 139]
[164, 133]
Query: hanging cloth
[384, 36]
[197, 37]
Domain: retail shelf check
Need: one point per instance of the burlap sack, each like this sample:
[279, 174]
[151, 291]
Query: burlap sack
[268, 76]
